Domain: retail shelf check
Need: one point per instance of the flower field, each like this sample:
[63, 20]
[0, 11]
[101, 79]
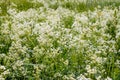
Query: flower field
[59, 40]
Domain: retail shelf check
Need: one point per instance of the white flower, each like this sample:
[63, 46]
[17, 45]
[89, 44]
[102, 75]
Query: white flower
[1, 77]
[83, 19]
[82, 77]
[2, 68]
[91, 70]
[17, 64]
[66, 62]
[57, 74]
[12, 11]
[98, 78]
[5, 72]
[99, 60]
[118, 63]
[108, 78]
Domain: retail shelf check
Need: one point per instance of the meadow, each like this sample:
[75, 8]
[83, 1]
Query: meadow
[59, 40]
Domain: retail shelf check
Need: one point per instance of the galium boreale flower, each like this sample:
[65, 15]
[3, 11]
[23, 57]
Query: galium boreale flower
[66, 62]
[57, 74]
[108, 78]
[1, 77]
[82, 77]
[2, 67]
[6, 72]
[12, 11]
[17, 64]
[98, 78]
[118, 63]
[91, 70]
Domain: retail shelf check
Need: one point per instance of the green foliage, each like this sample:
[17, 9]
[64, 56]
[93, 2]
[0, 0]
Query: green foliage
[68, 21]
[25, 4]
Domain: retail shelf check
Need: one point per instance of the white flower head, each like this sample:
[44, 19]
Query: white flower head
[82, 77]
[84, 19]
[2, 68]
[108, 78]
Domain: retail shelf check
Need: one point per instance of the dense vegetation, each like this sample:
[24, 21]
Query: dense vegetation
[59, 40]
